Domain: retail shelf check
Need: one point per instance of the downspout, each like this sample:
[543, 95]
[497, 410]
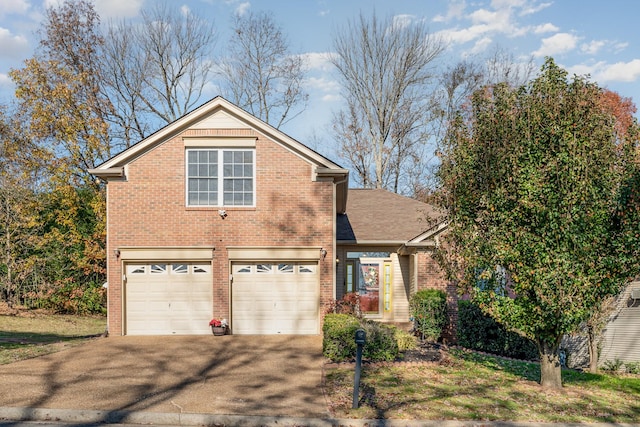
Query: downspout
[335, 230]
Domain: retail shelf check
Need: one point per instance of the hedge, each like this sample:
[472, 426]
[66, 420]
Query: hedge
[338, 343]
[477, 331]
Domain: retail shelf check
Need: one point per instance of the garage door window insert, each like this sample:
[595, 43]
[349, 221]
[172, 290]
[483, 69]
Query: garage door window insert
[220, 177]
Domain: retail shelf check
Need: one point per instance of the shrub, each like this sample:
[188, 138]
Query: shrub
[612, 365]
[477, 331]
[632, 368]
[338, 336]
[338, 343]
[429, 311]
[349, 304]
[381, 342]
[67, 297]
[405, 340]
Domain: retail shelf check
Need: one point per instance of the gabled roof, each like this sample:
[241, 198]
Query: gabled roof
[231, 116]
[377, 216]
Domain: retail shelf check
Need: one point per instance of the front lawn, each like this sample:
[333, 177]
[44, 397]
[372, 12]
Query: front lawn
[31, 334]
[469, 386]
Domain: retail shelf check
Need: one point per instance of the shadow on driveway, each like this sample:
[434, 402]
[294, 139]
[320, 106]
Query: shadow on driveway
[246, 375]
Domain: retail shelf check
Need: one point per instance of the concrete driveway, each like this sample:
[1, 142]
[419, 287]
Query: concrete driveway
[247, 375]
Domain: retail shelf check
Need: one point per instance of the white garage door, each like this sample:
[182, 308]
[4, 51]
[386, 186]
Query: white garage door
[275, 298]
[167, 299]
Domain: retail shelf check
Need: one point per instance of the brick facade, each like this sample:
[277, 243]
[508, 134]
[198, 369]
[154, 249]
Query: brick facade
[148, 209]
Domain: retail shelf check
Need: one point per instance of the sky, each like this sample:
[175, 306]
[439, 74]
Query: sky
[586, 37]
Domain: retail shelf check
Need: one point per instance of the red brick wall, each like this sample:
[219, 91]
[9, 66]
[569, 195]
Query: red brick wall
[149, 209]
[430, 276]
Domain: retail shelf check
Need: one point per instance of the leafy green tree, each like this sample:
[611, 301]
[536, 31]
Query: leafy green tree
[541, 187]
[62, 114]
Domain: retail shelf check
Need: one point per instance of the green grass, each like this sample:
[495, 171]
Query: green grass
[32, 335]
[469, 386]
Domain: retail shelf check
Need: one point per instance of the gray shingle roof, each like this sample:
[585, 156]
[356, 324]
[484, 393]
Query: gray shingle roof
[376, 215]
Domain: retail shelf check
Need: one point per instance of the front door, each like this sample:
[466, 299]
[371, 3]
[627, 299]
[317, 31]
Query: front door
[371, 279]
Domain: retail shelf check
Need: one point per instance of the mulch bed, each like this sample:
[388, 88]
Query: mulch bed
[425, 352]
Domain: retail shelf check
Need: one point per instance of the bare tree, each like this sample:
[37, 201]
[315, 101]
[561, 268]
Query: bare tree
[156, 70]
[260, 73]
[385, 69]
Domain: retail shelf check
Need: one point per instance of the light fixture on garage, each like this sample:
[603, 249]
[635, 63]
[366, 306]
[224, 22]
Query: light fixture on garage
[323, 253]
[222, 213]
[116, 252]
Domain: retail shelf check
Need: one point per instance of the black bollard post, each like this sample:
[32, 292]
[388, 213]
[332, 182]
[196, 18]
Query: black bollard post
[361, 338]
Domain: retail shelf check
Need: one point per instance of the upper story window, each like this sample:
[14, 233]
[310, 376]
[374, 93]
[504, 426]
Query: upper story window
[220, 177]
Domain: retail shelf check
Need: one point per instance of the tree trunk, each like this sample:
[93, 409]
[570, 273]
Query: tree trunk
[550, 370]
[593, 350]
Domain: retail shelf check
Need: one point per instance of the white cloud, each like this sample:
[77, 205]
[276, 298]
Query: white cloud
[604, 72]
[403, 21]
[185, 10]
[117, 8]
[556, 44]
[481, 45]
[534, 8]
[319, 61]
[18, 7]
[620, 72]
[545, 28]
[455, 11]
[242, 8]
[593, 47]
[5, 81]
[323, 84]
[12, 46]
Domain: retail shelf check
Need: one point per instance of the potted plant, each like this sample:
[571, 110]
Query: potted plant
[218, 326]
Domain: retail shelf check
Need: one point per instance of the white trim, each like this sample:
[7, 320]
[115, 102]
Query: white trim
[189, 119]
[222, 142]
[166, 253]
[265, 253]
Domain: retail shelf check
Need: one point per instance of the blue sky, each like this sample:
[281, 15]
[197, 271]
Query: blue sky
[594, 37]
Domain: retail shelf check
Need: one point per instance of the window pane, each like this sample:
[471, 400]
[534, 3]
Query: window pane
[238, 170]
[228, 170]
[202, 174]
[248, 199]
[248, 156]
[228, 185]
[238, 156]
[228, 199]
[228, 156]
[238, 185]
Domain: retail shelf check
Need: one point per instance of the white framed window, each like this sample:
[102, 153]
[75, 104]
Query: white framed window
[264, 268]
[179, 268]
[220, 177]
[306, 269]
[158, 269]
[136, 269]
[285, 268]
[201, 268]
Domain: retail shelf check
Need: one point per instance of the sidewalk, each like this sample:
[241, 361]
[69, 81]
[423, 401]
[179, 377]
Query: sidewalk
[190, 419]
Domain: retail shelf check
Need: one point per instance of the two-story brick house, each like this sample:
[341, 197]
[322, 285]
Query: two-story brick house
[219, 214]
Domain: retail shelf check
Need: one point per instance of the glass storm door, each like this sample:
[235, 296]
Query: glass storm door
[371, 279]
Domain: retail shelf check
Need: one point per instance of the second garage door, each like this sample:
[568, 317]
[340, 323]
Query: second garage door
[275, 298]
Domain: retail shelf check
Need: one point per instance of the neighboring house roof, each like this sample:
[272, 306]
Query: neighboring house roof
[376, 216]
[230, 116]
